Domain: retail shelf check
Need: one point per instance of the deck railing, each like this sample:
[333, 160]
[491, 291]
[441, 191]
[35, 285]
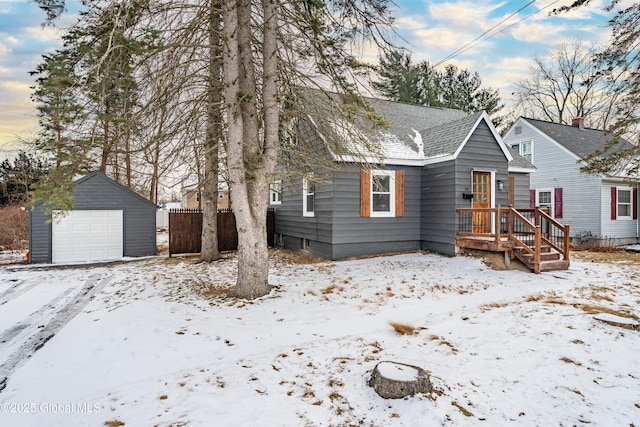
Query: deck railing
[528, 229]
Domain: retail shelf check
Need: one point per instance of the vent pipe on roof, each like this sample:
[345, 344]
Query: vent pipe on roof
[578, 122]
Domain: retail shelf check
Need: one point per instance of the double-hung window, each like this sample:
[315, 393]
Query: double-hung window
[308, 197]
[381, 193]
[524, 148]
[275, 192]
[545, 200]
[624, 203]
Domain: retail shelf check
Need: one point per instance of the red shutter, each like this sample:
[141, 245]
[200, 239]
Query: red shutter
[365, 193]
[399, 193]
[614, 203]
[635, 203]
[557, 202]
[532, 199]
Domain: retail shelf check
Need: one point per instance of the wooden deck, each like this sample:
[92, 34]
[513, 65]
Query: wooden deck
[485, 243]
[530, 235]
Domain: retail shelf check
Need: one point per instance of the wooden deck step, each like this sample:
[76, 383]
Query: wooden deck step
[544, 255]
[549, 261]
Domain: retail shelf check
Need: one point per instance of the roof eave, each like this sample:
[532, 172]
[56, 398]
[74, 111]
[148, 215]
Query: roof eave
[519, 169]
[484, 116]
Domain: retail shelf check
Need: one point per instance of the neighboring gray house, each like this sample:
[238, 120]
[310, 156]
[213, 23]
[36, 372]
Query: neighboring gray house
[108, 222]
[434, 160]
[593, 205]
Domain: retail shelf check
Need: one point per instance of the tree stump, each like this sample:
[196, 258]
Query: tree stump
[393, 380]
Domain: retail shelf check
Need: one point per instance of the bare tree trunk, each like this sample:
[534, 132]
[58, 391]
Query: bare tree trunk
[127, 154]
[105, 149]
[209, 193]
[250, 158]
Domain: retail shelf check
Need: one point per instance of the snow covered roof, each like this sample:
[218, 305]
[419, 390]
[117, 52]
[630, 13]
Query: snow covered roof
[415, 135]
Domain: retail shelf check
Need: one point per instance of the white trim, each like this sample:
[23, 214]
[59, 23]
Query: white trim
[376, 161]
[275, 189]
[484, 116]
[621, 179]
[494, 187]
[624, 217]
[305, 193]
[392, 194]
[520, 150]
[552, 198]
[519, 169]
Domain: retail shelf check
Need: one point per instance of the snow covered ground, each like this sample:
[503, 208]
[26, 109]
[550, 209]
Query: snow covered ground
[159, 342]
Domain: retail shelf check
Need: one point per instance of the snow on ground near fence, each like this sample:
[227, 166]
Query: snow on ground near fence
[161, 344]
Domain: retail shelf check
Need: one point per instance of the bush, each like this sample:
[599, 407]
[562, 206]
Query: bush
[594, 244]
[14, 228]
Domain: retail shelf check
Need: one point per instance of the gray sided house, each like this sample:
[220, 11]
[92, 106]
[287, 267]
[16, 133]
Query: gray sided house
[108, 222]
[434, 161]
[593, 205]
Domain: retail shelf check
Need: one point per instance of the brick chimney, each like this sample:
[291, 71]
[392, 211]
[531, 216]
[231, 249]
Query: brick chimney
[578, 122]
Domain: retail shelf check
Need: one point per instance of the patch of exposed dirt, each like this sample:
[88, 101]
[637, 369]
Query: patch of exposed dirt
[290, 257]
[494, 260]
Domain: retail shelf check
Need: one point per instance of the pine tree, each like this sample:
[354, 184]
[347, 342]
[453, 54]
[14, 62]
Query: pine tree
[401, 80]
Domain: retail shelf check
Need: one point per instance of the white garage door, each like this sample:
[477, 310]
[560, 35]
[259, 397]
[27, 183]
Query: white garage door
[81, 236]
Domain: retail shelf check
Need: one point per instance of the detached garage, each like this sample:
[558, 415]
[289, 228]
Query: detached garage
[109, 221]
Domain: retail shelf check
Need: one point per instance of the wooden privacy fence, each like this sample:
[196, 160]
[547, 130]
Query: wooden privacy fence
[185, 230]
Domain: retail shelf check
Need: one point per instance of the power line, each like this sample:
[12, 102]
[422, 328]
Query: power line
[473, 42]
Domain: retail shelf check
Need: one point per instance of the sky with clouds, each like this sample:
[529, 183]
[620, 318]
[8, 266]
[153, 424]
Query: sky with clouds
[432, 30]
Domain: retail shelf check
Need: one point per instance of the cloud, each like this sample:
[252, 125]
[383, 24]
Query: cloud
[468, 16]
[409, 23]
[4, 50]
[20, 89]
[534, 32]
[44, 34]
[437, 43]
[454, 25]
[17, 117]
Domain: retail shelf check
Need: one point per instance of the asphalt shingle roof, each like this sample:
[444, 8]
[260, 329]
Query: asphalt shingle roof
[580, 141]
[441, 130]
[444, 139]
[404, 119]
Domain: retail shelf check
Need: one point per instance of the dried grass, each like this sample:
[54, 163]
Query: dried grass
[290, 257]
[464, 411]
[569, 360]
[491, 305]
[596, 309]
[331, 288]
[113, 423]
[335, 396]
[442, 341]
[403, 328]
[607, 257]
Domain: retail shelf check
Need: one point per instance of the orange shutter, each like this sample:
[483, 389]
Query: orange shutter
[365, 193]
[399, 194]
